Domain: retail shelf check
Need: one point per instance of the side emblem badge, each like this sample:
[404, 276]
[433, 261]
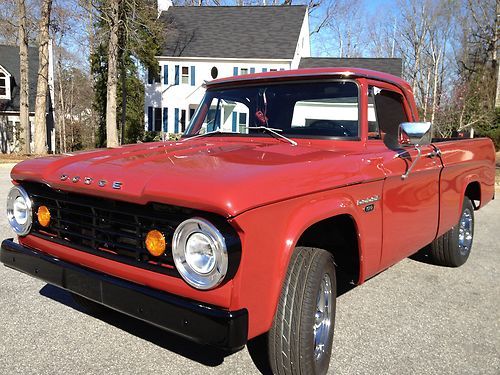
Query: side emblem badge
[369, 200]
[64, 177]
[76, 179]
[87, 180]
[117, 185]
[101, 183]
[370, 208]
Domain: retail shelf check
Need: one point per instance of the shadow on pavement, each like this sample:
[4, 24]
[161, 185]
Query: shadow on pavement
[205, 355]
[423, 256]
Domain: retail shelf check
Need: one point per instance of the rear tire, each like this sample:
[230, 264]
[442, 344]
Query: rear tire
[300, 339]
[453, 248]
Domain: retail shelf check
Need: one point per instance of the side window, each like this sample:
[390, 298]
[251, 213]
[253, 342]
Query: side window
[389, 112]
[373, 129]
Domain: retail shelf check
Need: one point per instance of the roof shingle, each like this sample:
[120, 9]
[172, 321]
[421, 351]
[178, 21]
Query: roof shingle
[261, 32]
[392, 66]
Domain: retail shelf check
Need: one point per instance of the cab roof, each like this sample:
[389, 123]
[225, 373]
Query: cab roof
[285, 75]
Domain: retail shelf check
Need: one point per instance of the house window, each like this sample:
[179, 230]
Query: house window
[154, 77]
[4, 86]
[243, 71]
[185, 74]
[273, 70]
[242, 122]
[214, 72]
[10, 131]
[157, 120]
[183, 121]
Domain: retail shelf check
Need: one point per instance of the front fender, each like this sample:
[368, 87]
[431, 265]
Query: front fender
[270, 233]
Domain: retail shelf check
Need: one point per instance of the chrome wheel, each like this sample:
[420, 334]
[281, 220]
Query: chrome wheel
[322, 317]
[465, 232]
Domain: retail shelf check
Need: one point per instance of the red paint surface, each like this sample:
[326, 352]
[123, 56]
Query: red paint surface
[272, 192]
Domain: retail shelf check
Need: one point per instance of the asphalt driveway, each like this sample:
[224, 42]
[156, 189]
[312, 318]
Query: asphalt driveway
[414, 318]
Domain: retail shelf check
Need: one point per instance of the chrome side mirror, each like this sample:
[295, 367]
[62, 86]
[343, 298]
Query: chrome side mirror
[415, 133]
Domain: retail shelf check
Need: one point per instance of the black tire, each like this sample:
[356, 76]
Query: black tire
[449, 250]
[89, 306]
[291, 345]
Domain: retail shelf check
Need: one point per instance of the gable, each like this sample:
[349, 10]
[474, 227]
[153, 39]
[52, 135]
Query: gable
[4, 71]
[260, 32]
[9, 60]
[5, 89]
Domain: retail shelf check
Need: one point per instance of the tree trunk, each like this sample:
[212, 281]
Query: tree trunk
[435, 87]
[111, 130]
[43, 80]
[24, 84]
[90, 33]
[425, 97]
[495, 55]
[62, 110]
[124, 98]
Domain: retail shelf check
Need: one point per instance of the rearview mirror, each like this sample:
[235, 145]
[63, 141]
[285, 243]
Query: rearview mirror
[415, 133]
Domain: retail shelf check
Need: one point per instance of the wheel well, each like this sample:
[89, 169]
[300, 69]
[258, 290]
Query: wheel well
[473, 192]
[338, 235]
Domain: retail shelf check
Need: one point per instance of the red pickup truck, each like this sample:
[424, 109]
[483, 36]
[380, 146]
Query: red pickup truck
[286, 187]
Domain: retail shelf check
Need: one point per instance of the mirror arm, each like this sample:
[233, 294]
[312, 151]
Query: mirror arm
[405, 175]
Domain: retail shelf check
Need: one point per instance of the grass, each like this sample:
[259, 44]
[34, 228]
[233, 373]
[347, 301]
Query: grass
[13, 158]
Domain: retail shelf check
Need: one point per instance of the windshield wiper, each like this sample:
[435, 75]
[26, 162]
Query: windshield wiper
[207, 134]
[273, 132]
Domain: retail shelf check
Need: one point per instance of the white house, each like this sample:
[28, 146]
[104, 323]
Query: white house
[204, 43]
[209, 42]
[10, 95]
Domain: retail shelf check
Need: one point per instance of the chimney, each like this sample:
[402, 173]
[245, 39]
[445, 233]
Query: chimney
[163, 6]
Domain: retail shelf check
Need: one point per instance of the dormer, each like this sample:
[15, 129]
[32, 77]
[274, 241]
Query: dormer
[5, 89]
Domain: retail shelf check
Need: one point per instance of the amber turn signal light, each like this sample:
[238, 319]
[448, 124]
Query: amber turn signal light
[155, 243]
[43, 215]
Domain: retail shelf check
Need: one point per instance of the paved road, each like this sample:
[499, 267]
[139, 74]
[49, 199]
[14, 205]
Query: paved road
[414, 318]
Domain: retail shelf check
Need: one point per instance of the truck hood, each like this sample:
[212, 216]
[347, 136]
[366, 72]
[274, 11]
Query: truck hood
[225, 176]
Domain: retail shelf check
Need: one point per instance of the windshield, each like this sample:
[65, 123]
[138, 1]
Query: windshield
[309, 109]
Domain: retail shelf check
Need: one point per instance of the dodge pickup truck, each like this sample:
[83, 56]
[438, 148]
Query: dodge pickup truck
[286, 187]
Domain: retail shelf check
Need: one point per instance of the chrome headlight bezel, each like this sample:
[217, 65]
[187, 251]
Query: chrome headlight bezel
[15, 193]
[217, 242]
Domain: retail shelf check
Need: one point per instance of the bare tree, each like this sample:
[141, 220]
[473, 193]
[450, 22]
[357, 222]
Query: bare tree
[338, 27]
[9, 31]
[43, 80]
[24, 84]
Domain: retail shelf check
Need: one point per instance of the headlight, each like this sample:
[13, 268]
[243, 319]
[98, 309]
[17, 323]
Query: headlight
[19, 210]
[200, 253]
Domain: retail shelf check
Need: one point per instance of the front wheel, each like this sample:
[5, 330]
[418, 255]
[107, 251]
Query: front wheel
[300, 340]
[452, 249]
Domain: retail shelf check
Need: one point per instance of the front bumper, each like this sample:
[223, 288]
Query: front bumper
[195, 321]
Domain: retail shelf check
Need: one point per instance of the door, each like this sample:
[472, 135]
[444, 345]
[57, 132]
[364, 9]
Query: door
[410, 205]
